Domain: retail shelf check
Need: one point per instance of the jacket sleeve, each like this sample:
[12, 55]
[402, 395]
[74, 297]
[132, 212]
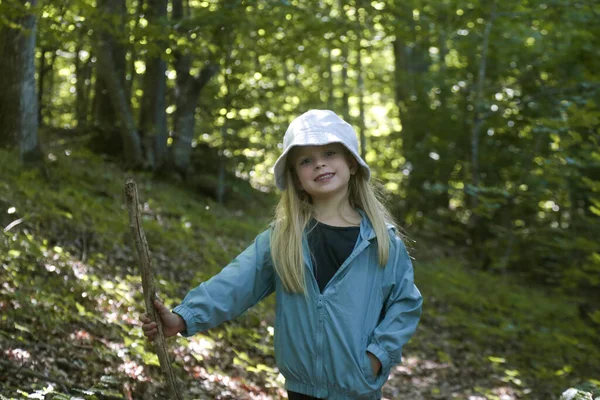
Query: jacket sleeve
[402, 310]
[244, 282]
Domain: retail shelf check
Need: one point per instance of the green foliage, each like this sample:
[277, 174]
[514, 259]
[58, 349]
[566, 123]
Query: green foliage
[481, 120]
[524, 336]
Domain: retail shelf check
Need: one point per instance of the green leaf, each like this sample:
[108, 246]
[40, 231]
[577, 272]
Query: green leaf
[80, 308]
[21, 327]
[14, 253]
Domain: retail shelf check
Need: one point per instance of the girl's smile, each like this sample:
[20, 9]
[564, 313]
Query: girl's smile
[324, 177]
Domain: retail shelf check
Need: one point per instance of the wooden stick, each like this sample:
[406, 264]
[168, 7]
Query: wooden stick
[143, 253]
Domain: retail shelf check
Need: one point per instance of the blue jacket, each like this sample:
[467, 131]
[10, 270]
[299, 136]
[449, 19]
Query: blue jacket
[321, 340]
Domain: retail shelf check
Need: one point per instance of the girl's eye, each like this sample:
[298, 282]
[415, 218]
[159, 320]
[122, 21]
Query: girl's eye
[329, 153]
[304, 161]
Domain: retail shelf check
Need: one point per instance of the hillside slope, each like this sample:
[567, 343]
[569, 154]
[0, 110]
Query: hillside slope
[70, 298]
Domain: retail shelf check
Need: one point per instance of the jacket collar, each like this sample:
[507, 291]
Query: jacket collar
[366, 229]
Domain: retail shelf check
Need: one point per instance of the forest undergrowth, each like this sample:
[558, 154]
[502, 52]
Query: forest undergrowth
[70, 299]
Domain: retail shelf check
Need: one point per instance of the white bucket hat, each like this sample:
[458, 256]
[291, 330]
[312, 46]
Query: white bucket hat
[317, 128]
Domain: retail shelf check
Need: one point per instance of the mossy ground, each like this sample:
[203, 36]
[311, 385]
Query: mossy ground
[70, 298]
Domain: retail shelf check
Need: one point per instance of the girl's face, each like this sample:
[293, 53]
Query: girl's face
[323, 171]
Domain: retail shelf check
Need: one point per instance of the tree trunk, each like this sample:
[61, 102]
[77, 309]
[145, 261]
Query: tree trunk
[110, 74]
[345, 54]
[411, 85]
[50, 86]
[89, 90]
[18, 98]
[330, 83]
[153, 118]
[227, 105]
[82, 72]
[479, 118]
[104, 114]
[222, 166]
[130, 68]
[129, 135]
[28, 143]
[361, 103]
[187, 92]
[40, 91]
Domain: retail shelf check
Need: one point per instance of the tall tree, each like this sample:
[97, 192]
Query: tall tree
[478, 121]
[153, 117]
[83, 71]
[411, 96]
[18, 99]
[187, 91]
[110, 31]
[110, 72]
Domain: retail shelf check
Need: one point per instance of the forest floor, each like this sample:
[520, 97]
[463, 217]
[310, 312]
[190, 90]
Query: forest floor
[70, 299]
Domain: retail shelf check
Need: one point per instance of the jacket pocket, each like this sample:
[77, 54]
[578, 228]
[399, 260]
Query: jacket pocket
[367, 370]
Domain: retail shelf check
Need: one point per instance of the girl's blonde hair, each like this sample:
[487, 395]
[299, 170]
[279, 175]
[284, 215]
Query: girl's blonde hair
[293, 213]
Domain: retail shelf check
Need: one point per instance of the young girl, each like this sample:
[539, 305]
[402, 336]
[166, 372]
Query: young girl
[346, 300]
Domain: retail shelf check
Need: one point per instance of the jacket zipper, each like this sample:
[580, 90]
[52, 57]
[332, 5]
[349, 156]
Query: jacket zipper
[363, 245]
[320, 332]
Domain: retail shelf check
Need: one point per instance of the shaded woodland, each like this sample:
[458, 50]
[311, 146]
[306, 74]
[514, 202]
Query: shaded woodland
[480, 120]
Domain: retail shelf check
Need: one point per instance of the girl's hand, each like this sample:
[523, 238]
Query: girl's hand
[172, 323]
[375, 364]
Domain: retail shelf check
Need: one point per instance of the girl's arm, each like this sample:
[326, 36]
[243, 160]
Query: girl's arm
[249, 278]
[402, 310]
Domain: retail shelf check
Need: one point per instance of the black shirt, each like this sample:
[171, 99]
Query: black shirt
[330, 247]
